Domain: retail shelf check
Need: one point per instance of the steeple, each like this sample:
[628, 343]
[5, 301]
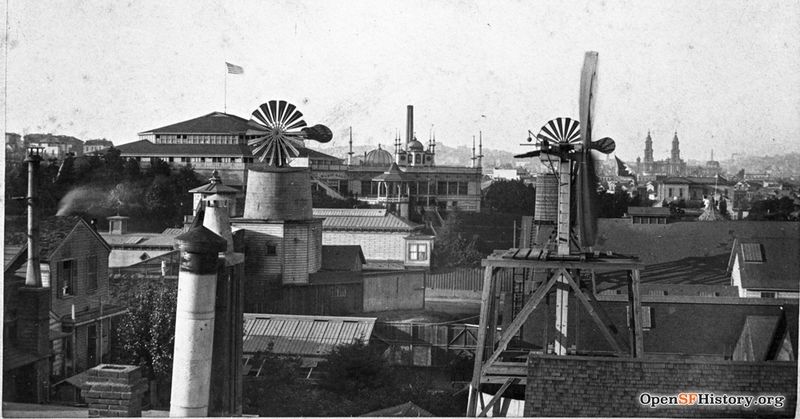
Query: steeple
[648, 148]
[473, 152]
[675, 154]
[480, 148]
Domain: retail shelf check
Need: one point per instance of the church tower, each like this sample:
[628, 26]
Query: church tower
[675, 154]
[648, 153]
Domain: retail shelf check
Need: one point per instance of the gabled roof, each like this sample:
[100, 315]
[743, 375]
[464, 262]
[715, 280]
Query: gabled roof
[758, 335]
[298, 335]
[213, 123]
[353, 221]
[768, 263]
[54, 232]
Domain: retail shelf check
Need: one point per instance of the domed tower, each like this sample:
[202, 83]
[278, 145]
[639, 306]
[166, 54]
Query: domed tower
[414, 154]
[378, 157]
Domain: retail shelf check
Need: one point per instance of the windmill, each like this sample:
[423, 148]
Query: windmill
[279, 131]
[565, 145]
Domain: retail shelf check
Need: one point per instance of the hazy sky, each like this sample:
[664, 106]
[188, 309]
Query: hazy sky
[725, 75]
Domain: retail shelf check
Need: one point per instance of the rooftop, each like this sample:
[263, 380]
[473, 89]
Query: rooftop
[768, 263]
[364, 220]
[213, 123]
[314, 336]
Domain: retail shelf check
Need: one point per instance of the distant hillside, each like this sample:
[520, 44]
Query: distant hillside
[445, 156]
[783, 166]
[63, 139]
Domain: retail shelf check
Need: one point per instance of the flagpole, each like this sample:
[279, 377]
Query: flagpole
[226, 89]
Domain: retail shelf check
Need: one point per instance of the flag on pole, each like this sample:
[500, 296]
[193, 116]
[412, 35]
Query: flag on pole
[234, 69]
[623, 169]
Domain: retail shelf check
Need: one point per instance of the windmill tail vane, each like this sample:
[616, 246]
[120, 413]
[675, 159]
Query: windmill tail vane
[278, 131]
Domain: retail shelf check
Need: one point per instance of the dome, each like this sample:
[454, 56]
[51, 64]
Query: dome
[378, 157]
[415, 146]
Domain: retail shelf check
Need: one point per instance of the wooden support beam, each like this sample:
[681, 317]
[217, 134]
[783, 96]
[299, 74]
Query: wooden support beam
[522, 317]
[635, 301]
[593, 314]
[497, 396]
[622, 338]
[480, 346]
[600, 265]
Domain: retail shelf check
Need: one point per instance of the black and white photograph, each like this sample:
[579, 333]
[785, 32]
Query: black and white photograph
[456, 208]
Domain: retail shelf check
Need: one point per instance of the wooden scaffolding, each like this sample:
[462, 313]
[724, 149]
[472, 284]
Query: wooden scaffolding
[563, 274]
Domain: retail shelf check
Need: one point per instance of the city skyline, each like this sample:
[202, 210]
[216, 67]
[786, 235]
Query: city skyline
[723, 75]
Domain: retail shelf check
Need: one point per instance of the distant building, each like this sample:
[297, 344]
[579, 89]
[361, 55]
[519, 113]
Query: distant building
[649, 215]
[93, 146]
[687, 188]
[673, 166]
[218, 141]
[766, 267]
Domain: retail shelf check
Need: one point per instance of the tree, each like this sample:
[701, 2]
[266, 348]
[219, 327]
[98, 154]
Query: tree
[512, 196]
[146, 334]
[723, 208]
[452, 249]
[355, 367]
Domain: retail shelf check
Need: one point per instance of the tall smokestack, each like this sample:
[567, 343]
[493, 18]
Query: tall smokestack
[409, 125]
[33, 276]
[194, 321]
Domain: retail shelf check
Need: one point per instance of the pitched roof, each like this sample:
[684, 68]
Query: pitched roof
[53, 232]
[341, 257]
[370, 222]
[213, 123]
[303, 335]
[768, 263]
[686, 252]
[758, 334]
[393, 174]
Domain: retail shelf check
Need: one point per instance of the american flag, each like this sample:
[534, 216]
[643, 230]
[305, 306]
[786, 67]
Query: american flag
[234, 69]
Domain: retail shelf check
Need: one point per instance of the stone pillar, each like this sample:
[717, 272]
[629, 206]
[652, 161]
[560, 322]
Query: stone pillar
[114, 390]
[194, 325]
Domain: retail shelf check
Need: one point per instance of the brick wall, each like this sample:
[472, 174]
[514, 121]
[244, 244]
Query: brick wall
[114, 390]
[594, 386]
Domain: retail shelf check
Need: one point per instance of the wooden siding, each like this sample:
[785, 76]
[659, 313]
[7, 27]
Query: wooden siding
[394, 291]
[375, 245]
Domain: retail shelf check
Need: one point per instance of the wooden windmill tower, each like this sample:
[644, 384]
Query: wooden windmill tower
[565, 146]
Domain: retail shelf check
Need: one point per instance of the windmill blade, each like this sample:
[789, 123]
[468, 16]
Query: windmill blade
[533, 153]
[604, 145]
[586, 185]
[319, 133]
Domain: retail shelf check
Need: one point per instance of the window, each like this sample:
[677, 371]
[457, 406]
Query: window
[272, 250]
[441, 188]
[670, 193]
[418, 251]
[767, 295]
[339, 291]
[462, 188]
[66, 272]
[91, 273]
[184, 160]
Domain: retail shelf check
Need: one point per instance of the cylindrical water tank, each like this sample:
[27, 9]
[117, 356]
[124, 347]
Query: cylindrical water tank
[546, 209]
[278, 193]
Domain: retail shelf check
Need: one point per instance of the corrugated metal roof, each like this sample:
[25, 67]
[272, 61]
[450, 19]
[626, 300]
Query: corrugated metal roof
[303, 335]
[388, 222]
[349, 212]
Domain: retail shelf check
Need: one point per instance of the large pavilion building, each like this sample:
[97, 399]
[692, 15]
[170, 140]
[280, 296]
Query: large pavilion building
[408, 180]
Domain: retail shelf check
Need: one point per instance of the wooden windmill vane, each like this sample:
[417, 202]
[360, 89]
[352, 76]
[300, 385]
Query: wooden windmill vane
[281, 131]
[565, 145]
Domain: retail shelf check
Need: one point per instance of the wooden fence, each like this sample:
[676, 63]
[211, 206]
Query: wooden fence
[466, 279]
